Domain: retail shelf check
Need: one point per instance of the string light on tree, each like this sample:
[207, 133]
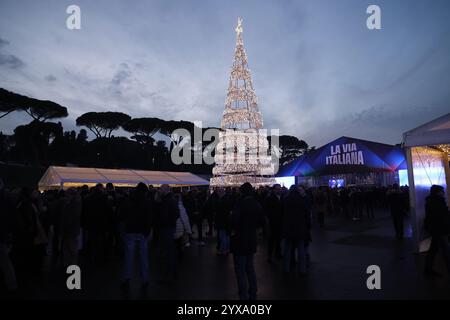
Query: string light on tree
[242, 151]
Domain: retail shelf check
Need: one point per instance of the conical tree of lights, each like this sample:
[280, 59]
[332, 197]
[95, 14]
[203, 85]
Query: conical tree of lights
[242, 151]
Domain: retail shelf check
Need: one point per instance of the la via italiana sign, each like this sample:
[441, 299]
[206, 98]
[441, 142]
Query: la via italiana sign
[344, 154]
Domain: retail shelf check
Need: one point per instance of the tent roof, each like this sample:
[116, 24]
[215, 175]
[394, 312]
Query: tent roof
[431, 133]
[74, 176]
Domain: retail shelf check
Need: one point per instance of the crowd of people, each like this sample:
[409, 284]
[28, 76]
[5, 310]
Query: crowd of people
[103, 222]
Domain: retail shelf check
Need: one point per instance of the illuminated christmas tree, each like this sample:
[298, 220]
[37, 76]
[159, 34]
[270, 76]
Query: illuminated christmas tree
[242, 150]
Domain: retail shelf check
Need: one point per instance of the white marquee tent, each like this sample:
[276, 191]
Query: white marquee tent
[427, 151]
[431, 133]
[65, 177]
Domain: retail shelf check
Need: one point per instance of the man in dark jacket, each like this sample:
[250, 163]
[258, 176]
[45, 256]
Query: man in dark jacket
[194, 208]
[295, 230]
[168, 214]
[222, 208]
[274, 211]
[397, 206]
[97, 212]
[437, 223]
[137, 217]
[6, 229]
[246, 217]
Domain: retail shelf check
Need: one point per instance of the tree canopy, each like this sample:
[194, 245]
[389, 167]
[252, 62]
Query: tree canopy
[10, 101]
[102, 124]
[44, 142]
[143, 128]
[43, 110]
[290, 148]
[40, 110]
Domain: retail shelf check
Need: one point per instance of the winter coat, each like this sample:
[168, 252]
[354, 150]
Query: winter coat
[437, 216]
[246, 217]
[222, 208]
[137, 214]
[296, 217]
[168, 212]
[70, 218]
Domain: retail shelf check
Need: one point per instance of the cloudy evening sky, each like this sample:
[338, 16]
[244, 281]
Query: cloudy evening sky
[319, 73]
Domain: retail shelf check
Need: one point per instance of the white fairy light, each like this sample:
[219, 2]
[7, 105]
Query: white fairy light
[444, 148]
[242, 151]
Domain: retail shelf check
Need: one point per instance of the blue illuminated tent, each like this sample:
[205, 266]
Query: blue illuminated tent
[347, 155]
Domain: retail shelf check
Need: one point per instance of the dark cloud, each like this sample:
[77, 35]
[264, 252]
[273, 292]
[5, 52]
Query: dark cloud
[119, 79]
[3, 42]
[11, 61]
[419, 62]
[121, 75]
[50, 78]
[373, 114]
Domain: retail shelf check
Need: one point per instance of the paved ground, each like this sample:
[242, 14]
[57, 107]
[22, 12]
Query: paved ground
[340, 254]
